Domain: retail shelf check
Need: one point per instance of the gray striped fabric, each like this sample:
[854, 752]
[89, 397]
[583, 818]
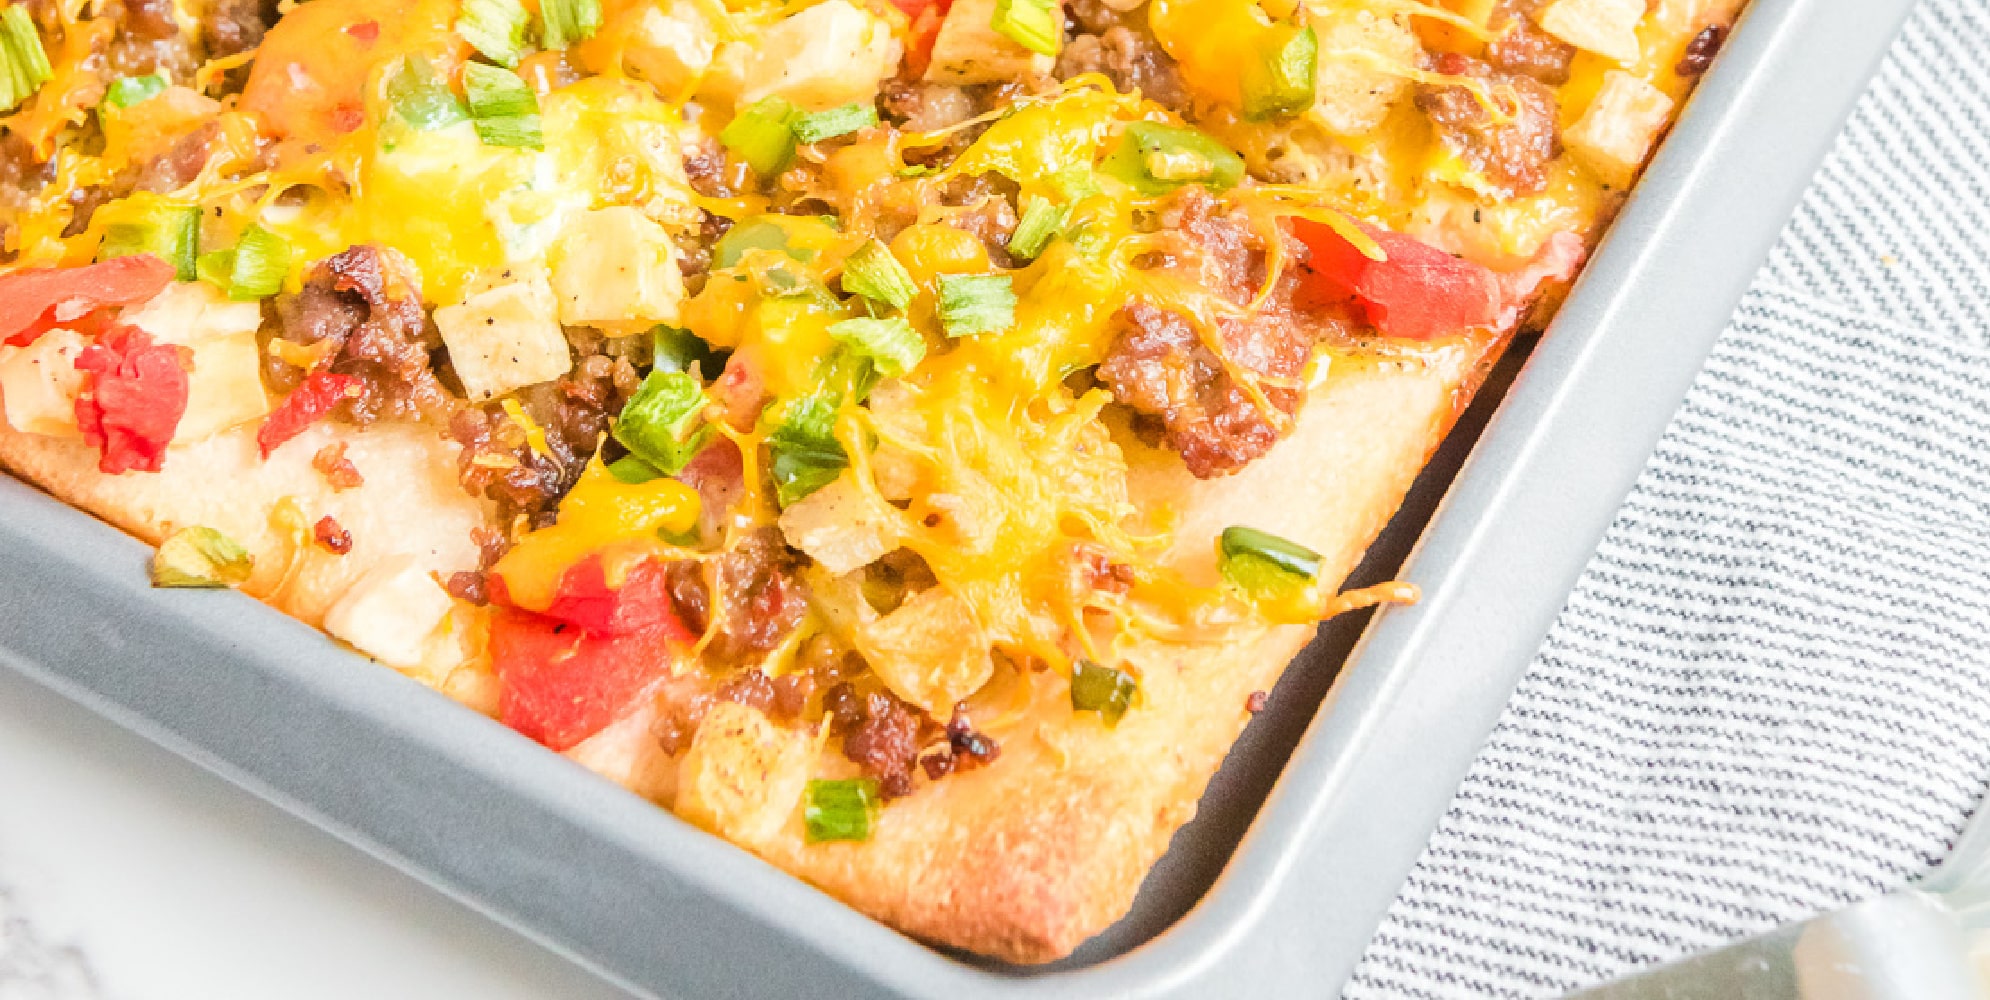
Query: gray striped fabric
[1769, 695]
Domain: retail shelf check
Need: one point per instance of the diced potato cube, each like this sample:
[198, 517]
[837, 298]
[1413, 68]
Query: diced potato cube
[743, 775]
[1617, 131]
[1608, 28]
[842, 526]
[824, 57]
[225, 387]
[39, 383]
[929, 651]
[505, 338]
[391, 612]
[968, 49]
[1352, 98]
[670, 46]
[614, 268]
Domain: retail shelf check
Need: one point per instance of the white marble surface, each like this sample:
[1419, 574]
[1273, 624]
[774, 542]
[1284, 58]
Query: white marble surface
[128, 873]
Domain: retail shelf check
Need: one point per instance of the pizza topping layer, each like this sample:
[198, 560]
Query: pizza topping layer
[801, 354]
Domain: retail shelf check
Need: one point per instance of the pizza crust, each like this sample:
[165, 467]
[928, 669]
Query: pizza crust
[409, 504]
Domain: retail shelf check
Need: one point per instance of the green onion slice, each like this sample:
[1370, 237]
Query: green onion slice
[805, 453]
[1037, 25]
[261, 262]
[1155, 159]
[216, 267]
[840, 810]
[1103, 690]
[678, 350]
[565, 22]
[495, 28]
[891, 344]
[875, 274]
[820, 125]
[664, 422]
[169, 231]
[423, 99]
[505, 112]
[129, 90]
[972, 304]
[633, 471]
[1263, 565]
[1280, 82]
[754, 234]
[23, 62]
[201, 557]
[763, 135]
[1041, 220]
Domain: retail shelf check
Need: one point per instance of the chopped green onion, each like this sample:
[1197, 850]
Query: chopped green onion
[763, 135]
[495, 28]
[875, 274]
[664, 422]
[1156, 159]
[754, 234]
[805, 453]
[23, 62]
[676, 350]
[201, 557]
[1075, 183]
[129, 90]
[1037, 25]
[262, 261]
[820, 125]
[976, 303]
[168, 231]
[633, 471]
[216, 267]
[840, 810]
[1041, 220]
[1281, 81]
[891, 344]
[423, 99]
[1263, 565]
[568, 21]
[503, 107]
[1103, 690]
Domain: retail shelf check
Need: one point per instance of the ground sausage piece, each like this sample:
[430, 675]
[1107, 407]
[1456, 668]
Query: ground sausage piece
[1513, 154]
[991, 211]
[179, 165]
[148, 40]
[1701, 50]
[1130, 57]
[925, 107]
[234, 26]
[1522, 47]
[880, 734]
[1160, 367]
[362, 301]
[759, 598]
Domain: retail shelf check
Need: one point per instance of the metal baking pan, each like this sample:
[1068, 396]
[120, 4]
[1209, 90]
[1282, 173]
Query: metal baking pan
[1290, 891]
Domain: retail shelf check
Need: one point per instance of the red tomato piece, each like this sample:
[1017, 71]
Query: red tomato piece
[36, 300]
[923, 17]
[1420, 292]
[306, 405]
[559, 684]
[134, 393]
[641, 604]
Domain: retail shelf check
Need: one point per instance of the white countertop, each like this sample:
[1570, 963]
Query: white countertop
[128, 873]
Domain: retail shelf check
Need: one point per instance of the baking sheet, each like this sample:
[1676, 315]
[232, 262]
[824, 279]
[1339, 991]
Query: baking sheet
[1291, 891]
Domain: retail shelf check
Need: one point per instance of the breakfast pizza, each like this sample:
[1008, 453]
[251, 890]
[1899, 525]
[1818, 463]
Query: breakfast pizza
[906, 438]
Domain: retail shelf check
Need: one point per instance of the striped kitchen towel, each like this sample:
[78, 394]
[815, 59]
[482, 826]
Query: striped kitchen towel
[1769, 694]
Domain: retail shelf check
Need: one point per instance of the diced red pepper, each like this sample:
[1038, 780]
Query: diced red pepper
[924, 17]
[134, 393]
[560, 684]
[37, 300]
[306, 405]
[1419, 292]
[642, 602]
